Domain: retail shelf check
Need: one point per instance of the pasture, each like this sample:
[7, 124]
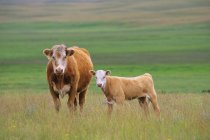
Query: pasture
[183, 116]
[170, 40]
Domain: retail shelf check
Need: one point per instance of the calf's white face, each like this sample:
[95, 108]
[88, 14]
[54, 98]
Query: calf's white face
[58, 55]
[101, 77]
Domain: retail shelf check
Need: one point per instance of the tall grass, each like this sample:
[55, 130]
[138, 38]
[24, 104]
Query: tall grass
[185, 116]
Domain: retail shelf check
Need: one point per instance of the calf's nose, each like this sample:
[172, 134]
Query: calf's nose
[99, 85]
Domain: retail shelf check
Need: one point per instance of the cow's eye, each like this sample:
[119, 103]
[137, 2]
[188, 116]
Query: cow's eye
[53, 57]
[64, 57]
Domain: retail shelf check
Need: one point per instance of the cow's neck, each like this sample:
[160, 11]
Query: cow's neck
[60, 80]
[60, 77]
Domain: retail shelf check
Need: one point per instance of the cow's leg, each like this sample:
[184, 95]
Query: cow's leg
[56, 101]
[153, 96]
[82, 99]
[71, 101]
[72, 98]
[75, 104]
[144, 104]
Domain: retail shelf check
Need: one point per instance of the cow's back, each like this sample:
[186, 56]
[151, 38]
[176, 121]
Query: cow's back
[132, 86]
[84, 65]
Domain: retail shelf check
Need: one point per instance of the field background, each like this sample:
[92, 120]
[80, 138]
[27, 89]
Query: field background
[169, 39]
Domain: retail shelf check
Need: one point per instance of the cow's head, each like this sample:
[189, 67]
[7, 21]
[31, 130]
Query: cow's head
[100, 76]
[58, 55]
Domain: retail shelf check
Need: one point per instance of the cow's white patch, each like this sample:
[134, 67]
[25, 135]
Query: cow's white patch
[62, 92]
[101, 78]
[59, 58]
[61, 64]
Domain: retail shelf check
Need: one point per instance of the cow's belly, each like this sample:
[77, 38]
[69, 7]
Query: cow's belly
[132, 94]
[83, 83]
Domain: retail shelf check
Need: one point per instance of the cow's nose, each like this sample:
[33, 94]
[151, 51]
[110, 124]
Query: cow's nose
[58, 71]
[99, 85]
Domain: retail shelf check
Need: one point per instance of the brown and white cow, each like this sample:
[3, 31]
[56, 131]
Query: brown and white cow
[68, 73]
[117, 89]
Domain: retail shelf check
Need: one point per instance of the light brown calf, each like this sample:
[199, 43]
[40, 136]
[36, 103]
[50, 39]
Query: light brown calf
[118, 89]
[68, 73]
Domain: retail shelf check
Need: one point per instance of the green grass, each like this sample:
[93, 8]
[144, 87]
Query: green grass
[167, 78]
[177, 56]
[118, 44]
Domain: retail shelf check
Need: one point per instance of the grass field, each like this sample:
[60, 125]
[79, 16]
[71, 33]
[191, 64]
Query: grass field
[184, 116]
[169, 39]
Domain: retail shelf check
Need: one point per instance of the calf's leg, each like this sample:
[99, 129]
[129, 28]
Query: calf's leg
[120, 102]
[120, 98]
[144, 104]
[154, 101]
[110, 106]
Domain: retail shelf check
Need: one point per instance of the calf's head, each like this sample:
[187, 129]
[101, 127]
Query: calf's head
[58, 55]
[100, 76]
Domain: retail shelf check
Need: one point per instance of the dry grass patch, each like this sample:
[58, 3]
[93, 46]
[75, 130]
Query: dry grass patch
[183, 116]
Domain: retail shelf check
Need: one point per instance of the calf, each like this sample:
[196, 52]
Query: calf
[118, 89]
[68, 73]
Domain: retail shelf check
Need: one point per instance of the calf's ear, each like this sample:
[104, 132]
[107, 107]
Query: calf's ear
[92, 72]
[69, 52]
[108, 72]
[48, 53]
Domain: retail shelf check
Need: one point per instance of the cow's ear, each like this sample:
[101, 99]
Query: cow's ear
[48, 53]
[69, 52]
[108, 72]
[92, 72]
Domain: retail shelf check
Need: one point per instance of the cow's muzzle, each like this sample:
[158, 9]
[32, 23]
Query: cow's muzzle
[59, 71]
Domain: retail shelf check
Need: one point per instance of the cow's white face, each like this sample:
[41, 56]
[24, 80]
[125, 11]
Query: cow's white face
[101, 77]
[58, 55]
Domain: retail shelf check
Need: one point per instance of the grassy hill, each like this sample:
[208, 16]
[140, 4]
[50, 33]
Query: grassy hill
[147, 36]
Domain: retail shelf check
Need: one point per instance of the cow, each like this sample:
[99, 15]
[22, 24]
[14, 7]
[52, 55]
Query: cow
[68, 73]
[118, 89]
